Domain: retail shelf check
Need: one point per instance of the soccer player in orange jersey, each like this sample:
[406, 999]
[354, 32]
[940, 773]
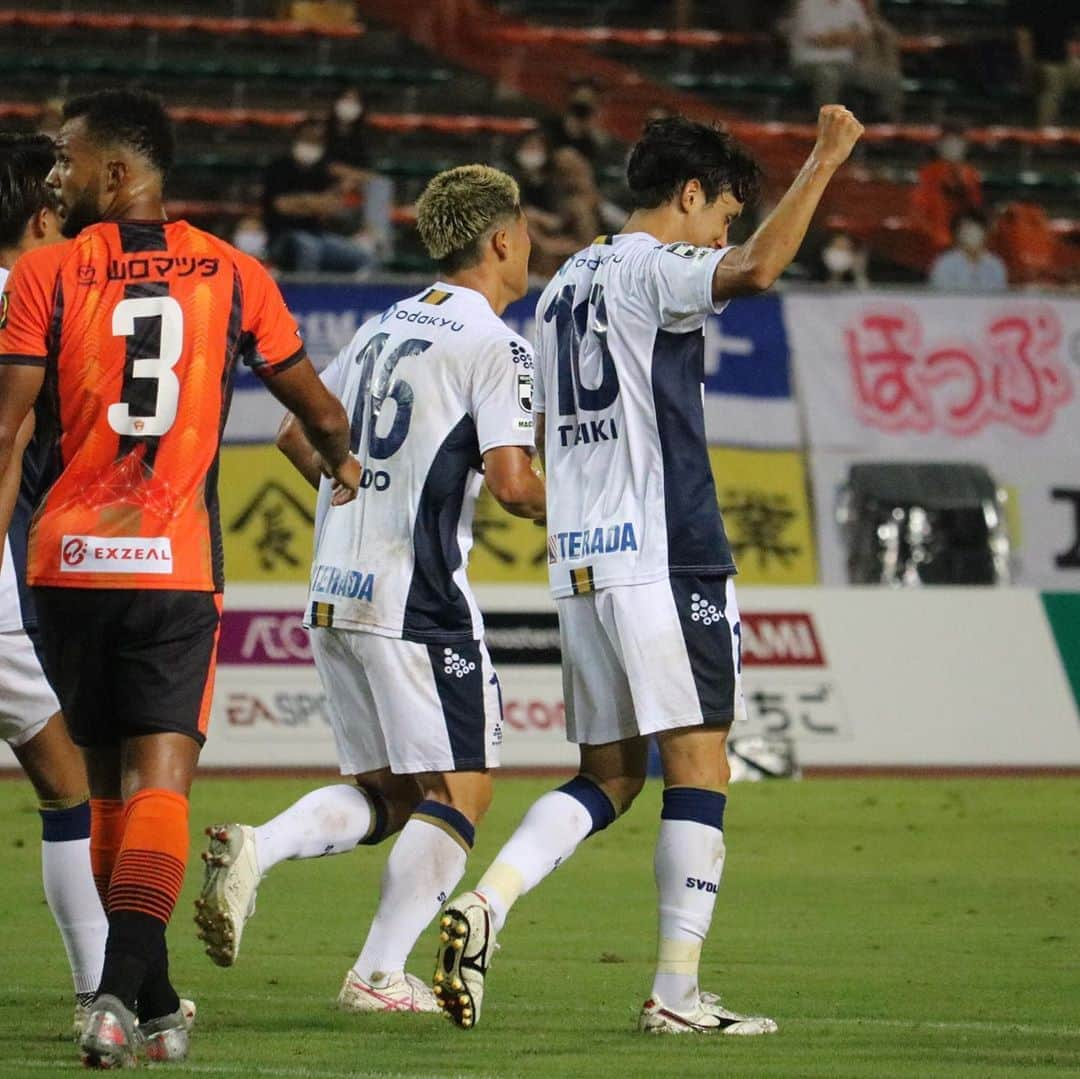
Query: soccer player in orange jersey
[125, 338]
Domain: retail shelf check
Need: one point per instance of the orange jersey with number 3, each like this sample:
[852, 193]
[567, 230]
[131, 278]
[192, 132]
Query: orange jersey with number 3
[139, 326]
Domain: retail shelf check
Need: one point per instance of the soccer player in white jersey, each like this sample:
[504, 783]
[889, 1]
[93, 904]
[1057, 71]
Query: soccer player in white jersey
[639, 563]
[30, 719]
[439, 390]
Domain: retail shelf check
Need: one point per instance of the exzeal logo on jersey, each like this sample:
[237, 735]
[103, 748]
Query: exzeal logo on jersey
[116, 554]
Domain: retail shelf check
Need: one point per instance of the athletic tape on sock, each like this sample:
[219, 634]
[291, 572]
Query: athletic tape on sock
[678, 957]
[505, 881]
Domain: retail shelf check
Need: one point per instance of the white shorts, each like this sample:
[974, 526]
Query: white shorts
[412, 707]
[643, 658]
[26, 699]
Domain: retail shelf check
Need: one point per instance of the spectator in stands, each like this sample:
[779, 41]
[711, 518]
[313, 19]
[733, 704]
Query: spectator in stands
[311, 226]
[831, 46]
[346, 131]
[51, 117]
[1044, 32]
[577, 126]
[947, 187]
[843, 262]
[367, 193]
[560, 199]
[250, 237]
[968, 266]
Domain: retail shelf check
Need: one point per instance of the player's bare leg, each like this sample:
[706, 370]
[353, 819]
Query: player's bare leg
[611, 777]
[142, 863]
[690, 850]
[330, 820]
[55, 768]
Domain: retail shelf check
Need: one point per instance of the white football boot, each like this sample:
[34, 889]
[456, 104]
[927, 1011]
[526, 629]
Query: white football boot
[108, 1039]
[466, 945]
[230, 882]
[401, 993]
[78, 1022]
[709, 1016]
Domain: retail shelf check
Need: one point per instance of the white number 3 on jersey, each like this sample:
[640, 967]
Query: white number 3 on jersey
[171, 317]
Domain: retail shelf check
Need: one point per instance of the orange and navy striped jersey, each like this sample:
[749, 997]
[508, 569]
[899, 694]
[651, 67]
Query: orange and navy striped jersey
[139, 326]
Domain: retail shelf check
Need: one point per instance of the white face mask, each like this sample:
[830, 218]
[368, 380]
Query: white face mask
[970, 236]
[952, 148]
[838, 260]
[307, 153]
[532, 160]
[251, 242]
[348, 109]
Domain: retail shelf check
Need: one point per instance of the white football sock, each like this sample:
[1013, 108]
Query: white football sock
[550, 832]
[331, 820]
[688, 864]
[426, 863]
[74, 902]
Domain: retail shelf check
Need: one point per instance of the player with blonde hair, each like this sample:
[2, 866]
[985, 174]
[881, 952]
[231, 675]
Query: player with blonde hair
[439, 391]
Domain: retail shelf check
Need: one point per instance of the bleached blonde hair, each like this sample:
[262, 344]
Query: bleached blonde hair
[457, 209]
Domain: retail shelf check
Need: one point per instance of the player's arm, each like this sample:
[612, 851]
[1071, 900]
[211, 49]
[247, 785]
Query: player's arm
[541, 429]
[19, 387]
[509, 474]
[756, 264]
[323, 422]
[300, 452]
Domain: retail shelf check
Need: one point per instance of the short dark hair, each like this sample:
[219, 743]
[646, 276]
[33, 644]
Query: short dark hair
[25, 161]
[132, 118]
[674, 150]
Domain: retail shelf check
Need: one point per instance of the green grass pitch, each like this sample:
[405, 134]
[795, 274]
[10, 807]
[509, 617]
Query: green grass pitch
[892, 927]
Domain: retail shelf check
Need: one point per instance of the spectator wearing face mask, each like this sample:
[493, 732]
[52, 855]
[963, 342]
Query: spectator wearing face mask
[368, 194]
[306, 209]
[947, 186]
[843, 262]
[250, 237]
[968, 266]
[346, 132]
[577, 127]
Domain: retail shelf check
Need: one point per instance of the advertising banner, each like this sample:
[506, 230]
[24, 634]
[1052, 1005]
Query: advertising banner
[267, 516]
[938, 376]
[762, 494]
[1042, 513]
[748, 395]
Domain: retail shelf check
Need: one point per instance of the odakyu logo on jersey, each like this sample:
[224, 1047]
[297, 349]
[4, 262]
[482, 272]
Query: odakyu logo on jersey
[701, 610]
[456, 664]
[576, 262]
[351, 584]
[116, 554]
[438, 321]
[590, 542]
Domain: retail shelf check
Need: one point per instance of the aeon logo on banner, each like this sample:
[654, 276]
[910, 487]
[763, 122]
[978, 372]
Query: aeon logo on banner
[263, 637]
[911, 374]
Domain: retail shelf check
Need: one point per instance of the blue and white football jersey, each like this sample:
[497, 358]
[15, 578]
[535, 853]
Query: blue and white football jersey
[619, 377]
[431, 385]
